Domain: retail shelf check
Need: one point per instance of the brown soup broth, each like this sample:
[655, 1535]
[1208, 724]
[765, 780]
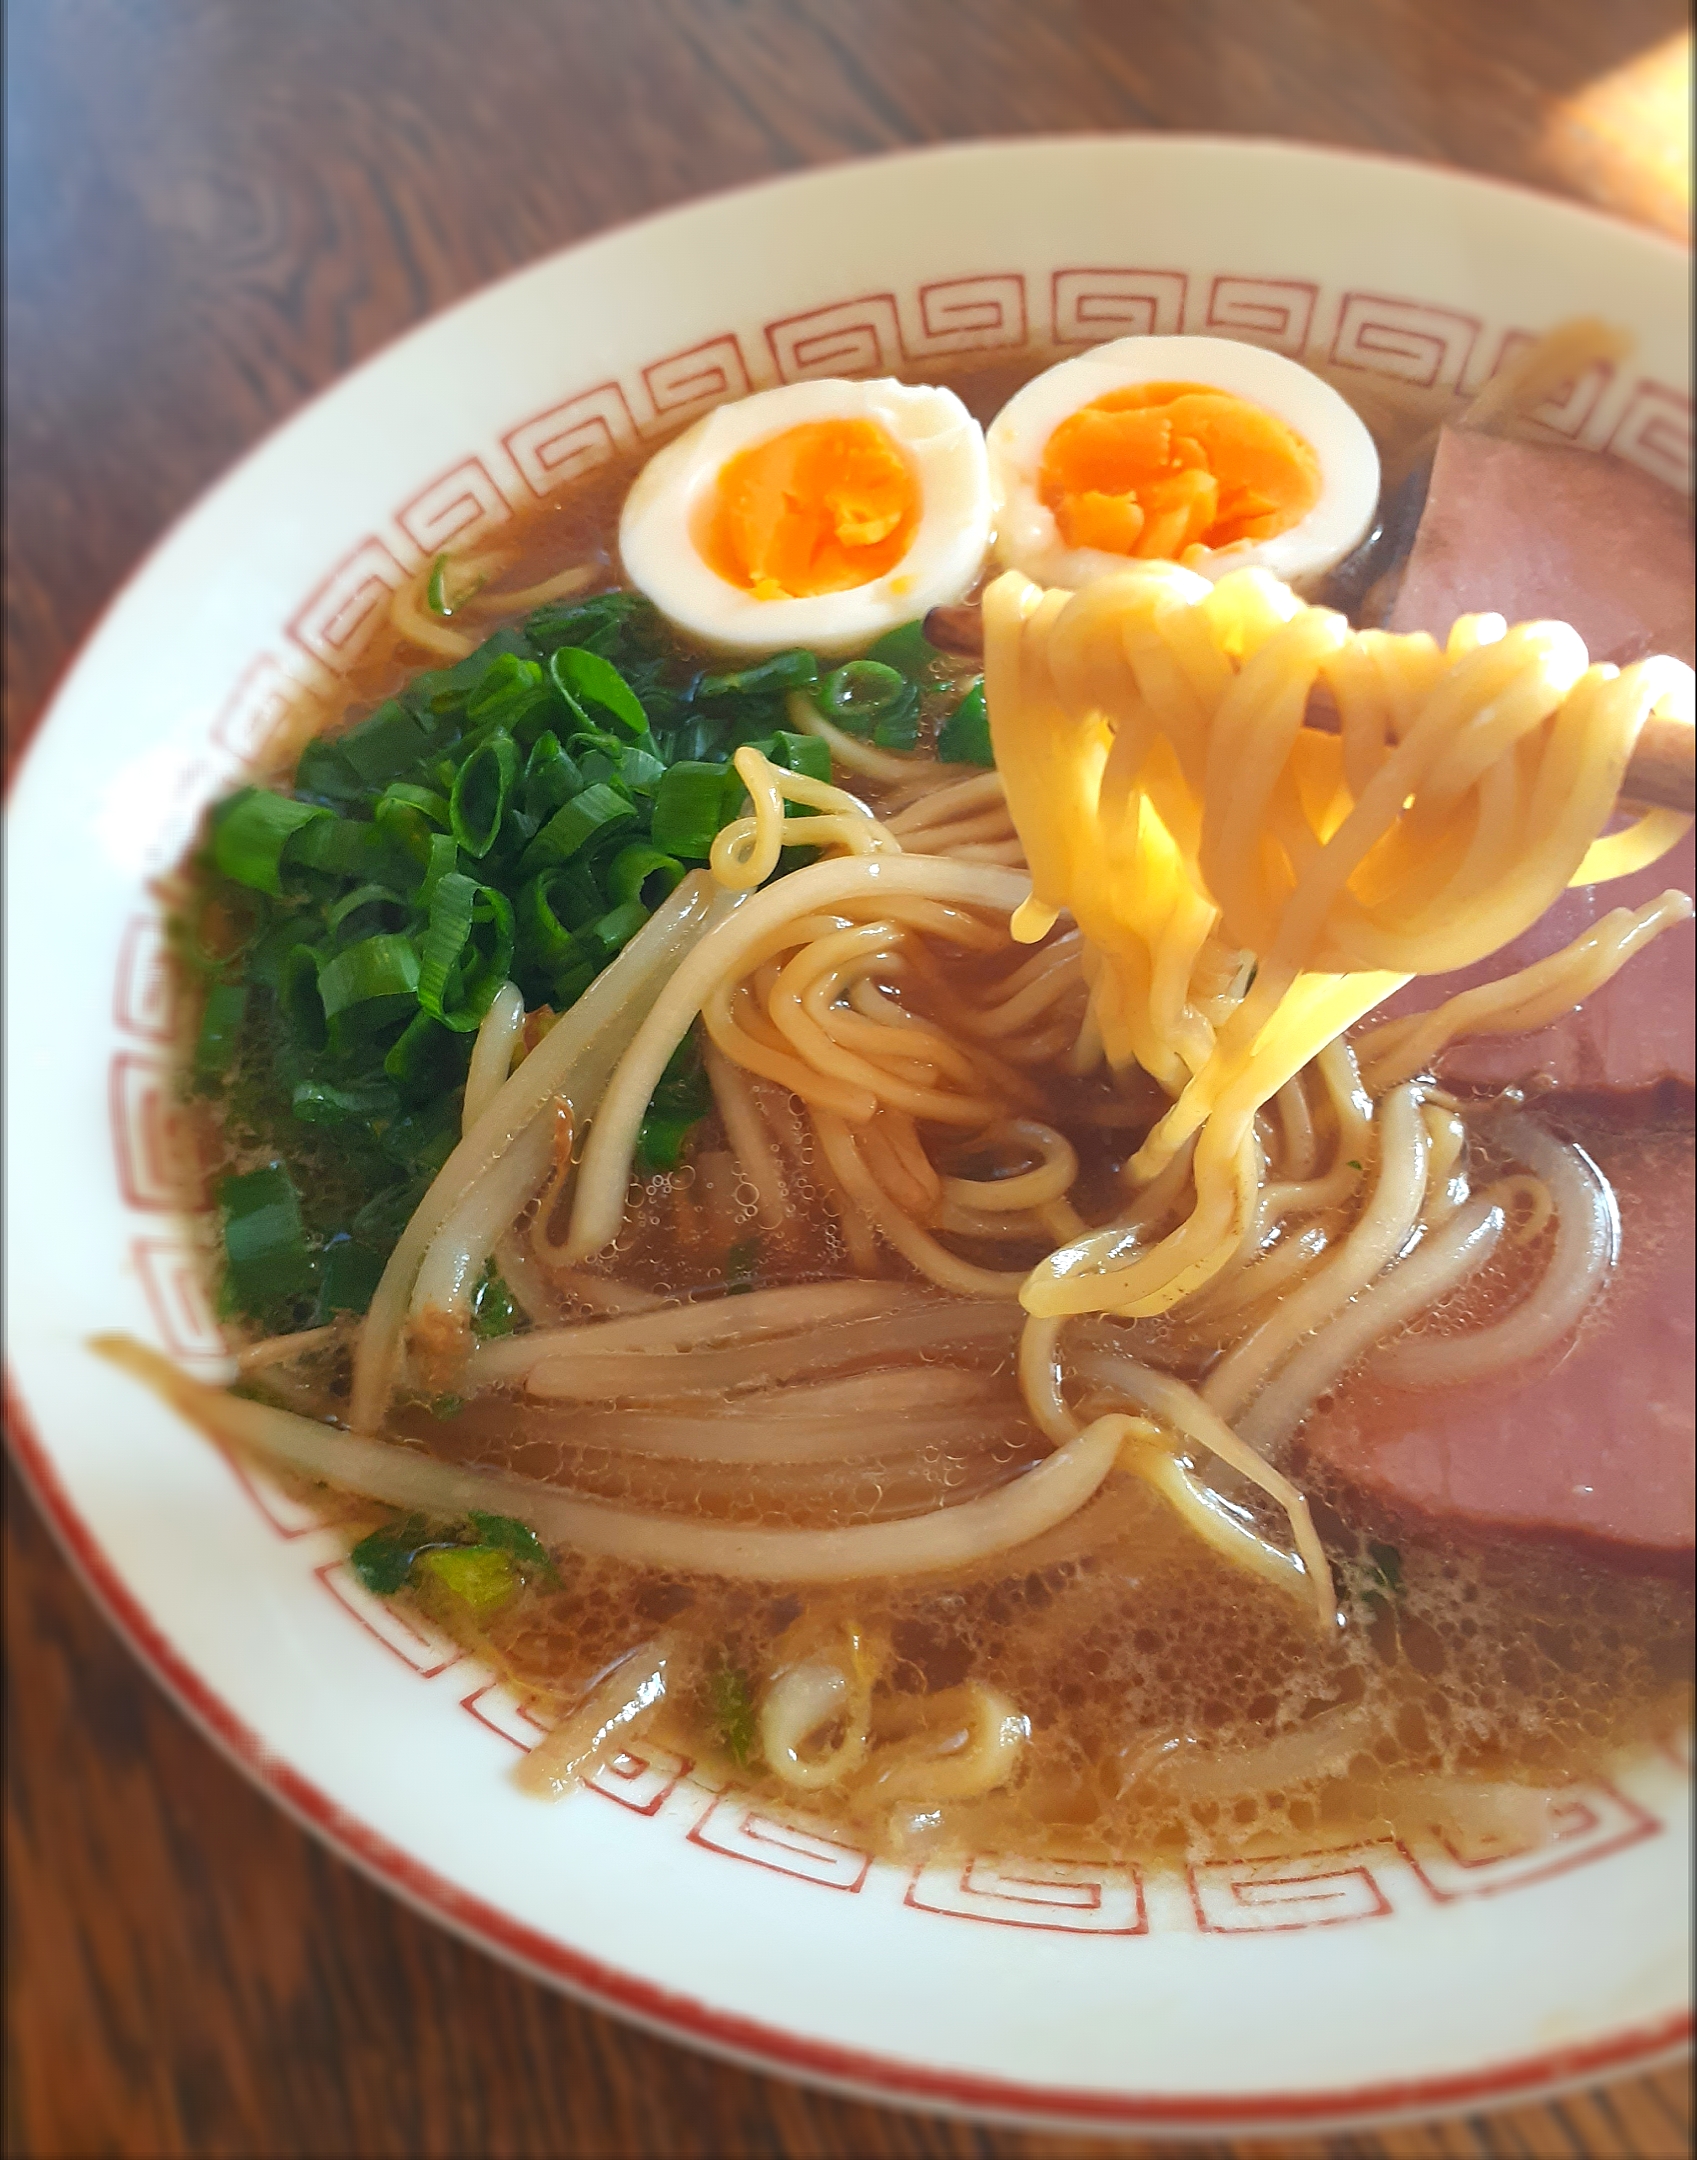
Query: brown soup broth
[1175, 1704]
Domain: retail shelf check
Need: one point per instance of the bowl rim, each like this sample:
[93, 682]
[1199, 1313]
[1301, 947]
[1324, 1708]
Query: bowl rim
[1280, 147]
[671, 2015]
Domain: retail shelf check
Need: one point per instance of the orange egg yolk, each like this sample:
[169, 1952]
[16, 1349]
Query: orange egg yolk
[821, 508]
[1156, 469]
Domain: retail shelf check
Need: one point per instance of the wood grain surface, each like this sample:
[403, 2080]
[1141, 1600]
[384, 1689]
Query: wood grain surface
[214, 207]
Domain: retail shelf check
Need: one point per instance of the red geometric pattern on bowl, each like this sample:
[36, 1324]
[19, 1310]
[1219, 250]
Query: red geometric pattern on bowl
[1299, 1890]
[731, 1826]
[173, 1273]
[1588, 1823]
[972, 314]
[571, 438]
[259, 708]
[701, 376]
[1654, 433]
[1408, 339]
[463, 504]
[153, 1138]
[1089, 306]
[338, 620]
[499, 1707]
[640, 1779]
[850, 337]
[1264, 311]
[1058, 1899]
[287, 1513]
[144, 997]
[412, 1640]
[1570, 406]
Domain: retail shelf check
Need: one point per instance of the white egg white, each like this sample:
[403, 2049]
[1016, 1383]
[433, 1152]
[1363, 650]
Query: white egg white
[944, 447]
[1028, 537]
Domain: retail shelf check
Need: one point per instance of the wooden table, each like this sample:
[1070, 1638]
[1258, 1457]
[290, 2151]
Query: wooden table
[213, 208]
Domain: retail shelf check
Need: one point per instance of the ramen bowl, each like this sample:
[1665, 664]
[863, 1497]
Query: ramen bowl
[1352, 1982]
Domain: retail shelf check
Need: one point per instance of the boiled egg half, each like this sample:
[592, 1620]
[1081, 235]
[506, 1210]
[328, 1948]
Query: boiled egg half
[1182, 449]
[820, 514]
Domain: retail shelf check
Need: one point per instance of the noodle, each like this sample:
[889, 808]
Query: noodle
[1156, 720]
[1586, 1241]
[945, 1538]
[591, 1736]
[1530, 998]
[1384, 1229]
[492, 1053]
[605, 1169]
[1435, 1268]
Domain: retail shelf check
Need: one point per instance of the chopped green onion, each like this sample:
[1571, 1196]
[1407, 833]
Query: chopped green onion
[458, 974]
[644, 874]
[353, 903]
[517, 1538]
[300, 999]
[809, 754]
[426, 1057]
[433, 805]
[557, 901]
[347, 1280]
[250, 831]
[730, 1705]
[660, 1140]
[795, 669]
[570, 984]
[689, 808]
[401, 849]
[377, 967]
[220, 1030]
[384, 1560]
[480, 1576]
[540, 935]
[336, 846]
[550, 777]
[906, 649]
[512, 691]
[585, 678]
[493, 1312]
[640, 770]
[861, 693]
[384, 746]
[323, 773]
[482, 788]
[264, 1239]
[610, 933]
[964, 737]
[436, 591]
[446, 691]
[595, 814]
[598, 624]
[443, 861]
[323, 1102]
[681, 1099]
[422, 1140]
[898, 730]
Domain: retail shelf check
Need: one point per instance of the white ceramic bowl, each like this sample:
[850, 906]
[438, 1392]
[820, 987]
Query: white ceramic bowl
[1338, 1986]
